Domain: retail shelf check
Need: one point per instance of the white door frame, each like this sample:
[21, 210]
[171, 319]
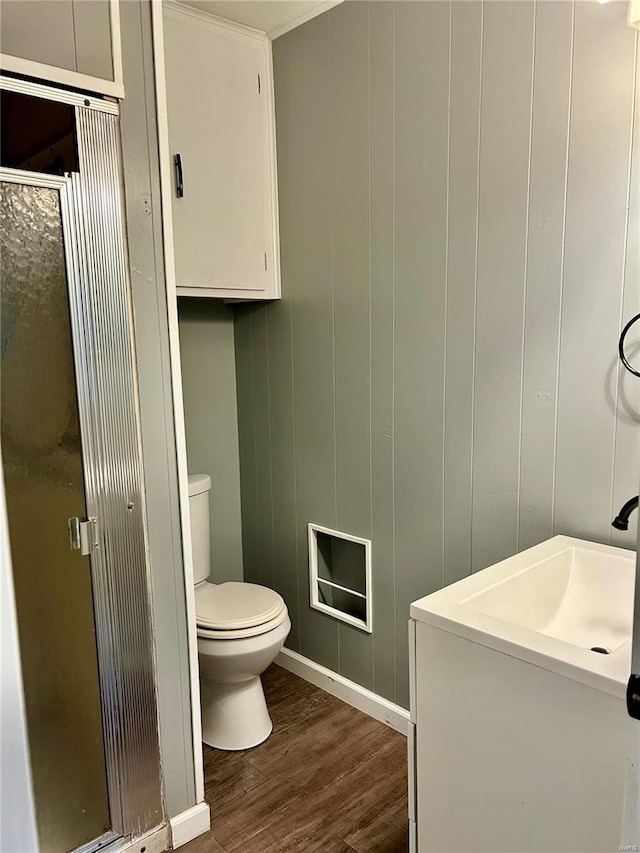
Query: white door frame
[176, 385]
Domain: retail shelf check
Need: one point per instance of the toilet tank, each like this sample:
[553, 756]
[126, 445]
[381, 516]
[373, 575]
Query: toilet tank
[199, 488]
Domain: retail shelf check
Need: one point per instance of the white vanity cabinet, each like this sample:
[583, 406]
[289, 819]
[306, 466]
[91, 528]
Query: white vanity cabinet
[518, 731]
[222, 156]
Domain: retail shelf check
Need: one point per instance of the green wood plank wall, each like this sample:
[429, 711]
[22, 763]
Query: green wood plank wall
[457, 258]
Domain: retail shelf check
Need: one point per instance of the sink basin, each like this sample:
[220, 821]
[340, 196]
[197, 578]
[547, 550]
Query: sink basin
[581, 594]
[566, 604]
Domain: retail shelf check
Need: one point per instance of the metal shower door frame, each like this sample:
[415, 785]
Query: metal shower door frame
[92, 214]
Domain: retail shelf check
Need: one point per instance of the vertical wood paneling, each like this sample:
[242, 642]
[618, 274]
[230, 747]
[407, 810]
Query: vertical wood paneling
[211, 423]
[349, 63]
[382, 319]
[472, 250]
[466, 56]
[599, 146]
[421, 138]
[247, 441]
[304, 174]
[262, 416]
[627, 408]
[550, 126]
[502, 234]
[285, 544]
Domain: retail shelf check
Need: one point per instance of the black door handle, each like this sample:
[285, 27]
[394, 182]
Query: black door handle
[177, 161]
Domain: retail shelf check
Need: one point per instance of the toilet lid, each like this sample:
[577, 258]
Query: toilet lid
[232, 606]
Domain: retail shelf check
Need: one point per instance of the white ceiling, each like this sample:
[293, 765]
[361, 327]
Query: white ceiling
[273, 17]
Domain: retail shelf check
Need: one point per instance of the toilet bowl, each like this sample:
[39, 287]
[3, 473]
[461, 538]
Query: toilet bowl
[241, 628]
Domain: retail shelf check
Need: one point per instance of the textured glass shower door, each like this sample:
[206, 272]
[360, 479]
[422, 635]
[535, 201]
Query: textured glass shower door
[43, 471]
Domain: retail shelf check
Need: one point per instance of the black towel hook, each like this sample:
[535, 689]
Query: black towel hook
[623, 357]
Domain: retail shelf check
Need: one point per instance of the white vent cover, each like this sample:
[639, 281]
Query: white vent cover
[340, 575]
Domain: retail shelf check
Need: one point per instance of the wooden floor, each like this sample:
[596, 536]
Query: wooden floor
[328, 779]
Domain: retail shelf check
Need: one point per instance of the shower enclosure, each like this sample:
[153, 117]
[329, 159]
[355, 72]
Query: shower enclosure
[72, 472]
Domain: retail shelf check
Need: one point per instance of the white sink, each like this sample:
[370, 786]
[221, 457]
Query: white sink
[551, 605]
[582, 594]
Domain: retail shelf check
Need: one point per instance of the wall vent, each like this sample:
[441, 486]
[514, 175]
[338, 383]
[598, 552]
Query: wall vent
[340, 576]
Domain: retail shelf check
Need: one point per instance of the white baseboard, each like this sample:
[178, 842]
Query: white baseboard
[189, 824]
[359, 697]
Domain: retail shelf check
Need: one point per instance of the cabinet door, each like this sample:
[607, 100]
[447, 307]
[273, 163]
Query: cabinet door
[68, 35]
[218, 124]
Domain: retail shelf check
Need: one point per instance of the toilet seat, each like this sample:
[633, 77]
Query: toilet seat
[233, 610]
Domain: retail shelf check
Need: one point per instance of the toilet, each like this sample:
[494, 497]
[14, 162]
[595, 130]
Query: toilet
[241, 628]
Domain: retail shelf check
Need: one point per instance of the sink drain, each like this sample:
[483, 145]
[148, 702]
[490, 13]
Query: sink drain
[600, 649]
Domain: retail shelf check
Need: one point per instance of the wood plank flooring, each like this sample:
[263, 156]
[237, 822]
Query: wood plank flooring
[328, 780]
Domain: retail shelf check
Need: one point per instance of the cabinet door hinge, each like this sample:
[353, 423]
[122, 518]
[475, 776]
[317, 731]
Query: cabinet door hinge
[259, 85]
[265, 261]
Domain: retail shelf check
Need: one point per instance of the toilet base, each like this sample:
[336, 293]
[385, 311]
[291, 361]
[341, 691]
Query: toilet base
[234, 716]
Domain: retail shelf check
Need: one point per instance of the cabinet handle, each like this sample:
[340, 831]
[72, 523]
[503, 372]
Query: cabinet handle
[177, 160]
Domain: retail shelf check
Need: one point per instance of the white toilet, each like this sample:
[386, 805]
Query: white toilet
[241, 629]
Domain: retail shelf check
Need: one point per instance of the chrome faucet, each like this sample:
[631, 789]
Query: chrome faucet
[621, 521]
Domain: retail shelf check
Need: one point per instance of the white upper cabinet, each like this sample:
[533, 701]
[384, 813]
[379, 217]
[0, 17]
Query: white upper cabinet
[222, 157]
[69, 42]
